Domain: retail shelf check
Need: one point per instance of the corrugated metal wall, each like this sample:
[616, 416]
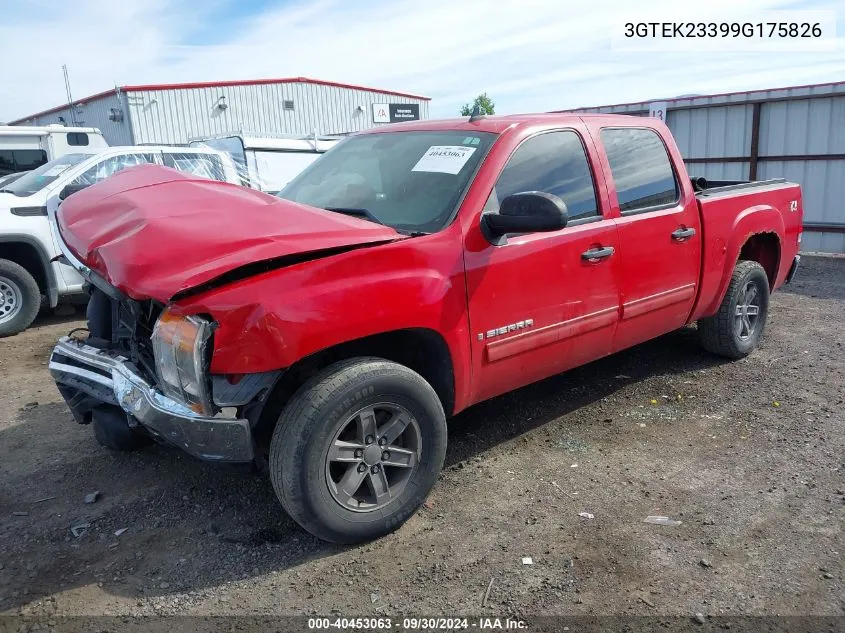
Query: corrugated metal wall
[175, 115]
[94, 113]
[714, 134]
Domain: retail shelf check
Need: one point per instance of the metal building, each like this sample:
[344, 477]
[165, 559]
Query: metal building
[174, 113]
[796, 133]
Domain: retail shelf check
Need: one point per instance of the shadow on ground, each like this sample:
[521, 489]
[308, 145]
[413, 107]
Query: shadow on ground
[191, 525]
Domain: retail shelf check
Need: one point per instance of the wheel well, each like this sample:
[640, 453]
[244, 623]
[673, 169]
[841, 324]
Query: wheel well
[422, 350]
[27, 256]
[763, 248]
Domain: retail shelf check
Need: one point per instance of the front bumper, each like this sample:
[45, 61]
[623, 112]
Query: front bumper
[88, 376]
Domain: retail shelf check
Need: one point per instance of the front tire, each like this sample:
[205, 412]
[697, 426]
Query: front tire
[736, 329]
[20, 298]
[357, 449]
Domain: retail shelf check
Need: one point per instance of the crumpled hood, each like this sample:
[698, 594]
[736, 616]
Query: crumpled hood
[154, 232]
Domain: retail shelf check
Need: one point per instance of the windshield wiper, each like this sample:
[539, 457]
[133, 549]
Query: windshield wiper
[363, 213]
[357, 212]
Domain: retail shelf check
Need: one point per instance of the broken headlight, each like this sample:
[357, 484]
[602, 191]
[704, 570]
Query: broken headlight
[179, 345]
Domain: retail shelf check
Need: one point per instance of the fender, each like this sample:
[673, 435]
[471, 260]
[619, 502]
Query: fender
[755, 220]
[272, 320]
[52, 289]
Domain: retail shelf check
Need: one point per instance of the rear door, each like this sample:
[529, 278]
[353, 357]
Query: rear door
[537, 304]
[658, 231]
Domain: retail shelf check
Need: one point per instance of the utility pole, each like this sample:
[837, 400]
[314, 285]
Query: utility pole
[69, 97]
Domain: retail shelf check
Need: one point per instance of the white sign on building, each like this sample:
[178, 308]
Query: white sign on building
[657, 110]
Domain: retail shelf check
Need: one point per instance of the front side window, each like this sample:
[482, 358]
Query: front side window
[202, 165]
[555, 163]
[112, 165]
[410, 181]
[642, 172]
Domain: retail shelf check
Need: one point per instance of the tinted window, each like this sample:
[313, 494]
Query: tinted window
[13, 160]
[553, 163]
[78, 139]
[641, 169]
[109, 166]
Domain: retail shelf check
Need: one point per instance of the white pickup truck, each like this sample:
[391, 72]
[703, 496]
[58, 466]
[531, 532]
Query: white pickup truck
[30, 273]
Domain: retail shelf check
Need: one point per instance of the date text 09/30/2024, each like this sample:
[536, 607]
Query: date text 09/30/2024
[416, 624]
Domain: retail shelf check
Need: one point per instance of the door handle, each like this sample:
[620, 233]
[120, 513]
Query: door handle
[597, 254]
[682, 234]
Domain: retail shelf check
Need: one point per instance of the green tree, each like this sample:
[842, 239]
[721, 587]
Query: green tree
[485, 104]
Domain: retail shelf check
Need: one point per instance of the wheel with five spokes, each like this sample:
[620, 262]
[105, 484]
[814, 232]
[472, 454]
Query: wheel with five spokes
[357, 449]
[735, 330]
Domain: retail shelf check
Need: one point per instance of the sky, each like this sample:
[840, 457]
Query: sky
[528, 55]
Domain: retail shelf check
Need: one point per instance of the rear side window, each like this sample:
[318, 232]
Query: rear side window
[554, 162]
[77, 139]
[642, 172]
[14, 160]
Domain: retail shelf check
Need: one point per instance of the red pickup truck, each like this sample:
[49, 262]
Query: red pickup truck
[328, 333]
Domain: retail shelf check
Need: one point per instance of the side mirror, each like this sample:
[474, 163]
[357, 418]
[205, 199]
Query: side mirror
[69, 190]
[526, 212]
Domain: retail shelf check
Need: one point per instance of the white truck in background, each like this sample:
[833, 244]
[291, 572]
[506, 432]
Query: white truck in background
[30, 273]
[268, 163]
[23, 148]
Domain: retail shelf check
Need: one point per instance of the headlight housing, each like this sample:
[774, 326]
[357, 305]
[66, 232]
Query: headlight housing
[179, 346]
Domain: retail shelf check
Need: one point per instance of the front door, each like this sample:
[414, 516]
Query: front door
[540, 303]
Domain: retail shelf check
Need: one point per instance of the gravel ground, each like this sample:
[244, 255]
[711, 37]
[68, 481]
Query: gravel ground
[748, 455]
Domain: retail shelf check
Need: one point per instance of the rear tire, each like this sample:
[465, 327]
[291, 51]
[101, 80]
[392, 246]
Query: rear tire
[736, 329]
[20, 298]
[357, 449]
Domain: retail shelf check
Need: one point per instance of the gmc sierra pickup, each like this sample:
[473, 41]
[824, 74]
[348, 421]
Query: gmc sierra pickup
[328, 333]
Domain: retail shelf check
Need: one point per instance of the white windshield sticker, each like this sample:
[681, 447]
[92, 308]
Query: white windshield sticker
[444, 159]
[55, 171]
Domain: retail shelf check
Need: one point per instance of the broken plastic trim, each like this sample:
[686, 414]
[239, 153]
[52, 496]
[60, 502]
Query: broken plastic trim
[266, 265]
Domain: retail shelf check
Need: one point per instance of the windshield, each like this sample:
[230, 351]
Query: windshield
[407, 180]
[34, 181]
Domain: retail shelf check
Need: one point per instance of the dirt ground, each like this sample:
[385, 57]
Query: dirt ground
[748, 455]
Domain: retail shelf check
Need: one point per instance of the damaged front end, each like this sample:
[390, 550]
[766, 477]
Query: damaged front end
[143, 367]
[153, 366]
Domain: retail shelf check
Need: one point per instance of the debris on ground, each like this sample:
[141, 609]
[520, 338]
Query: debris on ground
[374, 597]
[79, 529]
[661, 521]
[29, 406]
[586, 515]
[487, 593]
[20, 514]
[120, 531]
[705, 563]
[92, 497]
[646, 602]
[527, 560]
[43, 499]
[699, 617]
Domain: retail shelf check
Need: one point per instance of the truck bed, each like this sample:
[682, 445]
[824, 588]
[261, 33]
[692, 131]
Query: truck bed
[731, 212]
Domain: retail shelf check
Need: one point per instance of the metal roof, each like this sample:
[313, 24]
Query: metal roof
[726, 98]
[220, 84]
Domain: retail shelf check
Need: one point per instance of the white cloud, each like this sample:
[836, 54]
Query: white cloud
[529, 55]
